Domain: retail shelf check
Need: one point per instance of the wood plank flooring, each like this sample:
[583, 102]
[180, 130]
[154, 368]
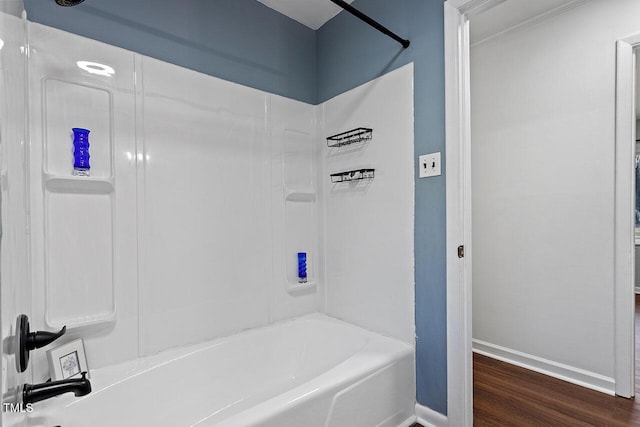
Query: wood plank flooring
[506, 395]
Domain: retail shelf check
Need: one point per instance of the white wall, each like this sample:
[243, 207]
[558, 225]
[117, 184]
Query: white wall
[543, 187]
[369, 224]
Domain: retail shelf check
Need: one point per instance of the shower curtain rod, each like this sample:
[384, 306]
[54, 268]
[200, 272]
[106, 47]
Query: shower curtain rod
[375, 24]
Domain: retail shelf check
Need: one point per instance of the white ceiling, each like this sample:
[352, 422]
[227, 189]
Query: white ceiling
[509, 14]
[512, 13]
[312, 13]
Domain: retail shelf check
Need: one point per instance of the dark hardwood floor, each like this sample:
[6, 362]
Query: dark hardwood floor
[506, 395]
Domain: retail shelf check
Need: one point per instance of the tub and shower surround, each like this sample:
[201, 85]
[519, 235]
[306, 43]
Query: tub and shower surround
[178, 235]
[201, 194]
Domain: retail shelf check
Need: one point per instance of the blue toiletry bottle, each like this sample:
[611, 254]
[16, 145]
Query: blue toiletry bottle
[302, 267]
[81, 166]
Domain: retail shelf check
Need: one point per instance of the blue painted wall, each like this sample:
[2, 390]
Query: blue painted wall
[242, 41]
[247, 43]
[351, 53]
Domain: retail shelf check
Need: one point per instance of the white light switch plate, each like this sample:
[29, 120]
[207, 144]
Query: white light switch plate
[430, 165]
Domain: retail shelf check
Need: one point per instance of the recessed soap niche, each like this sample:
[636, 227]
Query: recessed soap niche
[68, 105]
[78, 211]
[300, 233]
[299, 206]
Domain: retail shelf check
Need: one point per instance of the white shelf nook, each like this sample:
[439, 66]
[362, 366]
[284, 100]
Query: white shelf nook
[301, 288]
[65, 184]
[299, 208]
[299, 196]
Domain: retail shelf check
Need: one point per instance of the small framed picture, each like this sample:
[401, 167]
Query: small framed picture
[67, 361]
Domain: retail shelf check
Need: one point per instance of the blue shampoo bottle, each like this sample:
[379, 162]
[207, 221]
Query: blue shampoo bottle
[302, 267]
[81, 166]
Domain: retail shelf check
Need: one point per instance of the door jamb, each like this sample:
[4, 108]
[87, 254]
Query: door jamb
[624, 244]
[458, 189]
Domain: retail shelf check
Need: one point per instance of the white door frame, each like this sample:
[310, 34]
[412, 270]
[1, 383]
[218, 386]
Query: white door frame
[458, 188]
[458, 183]
[624, 225]
[459, 352]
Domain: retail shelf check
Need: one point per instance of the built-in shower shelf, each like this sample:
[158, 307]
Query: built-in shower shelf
[83, 321]
[299, 288]
[350, 137]
[353, 175]
[79, 184]
[300, 196]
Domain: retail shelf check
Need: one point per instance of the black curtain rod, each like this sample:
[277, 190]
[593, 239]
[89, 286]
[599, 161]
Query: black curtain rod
[375, 24]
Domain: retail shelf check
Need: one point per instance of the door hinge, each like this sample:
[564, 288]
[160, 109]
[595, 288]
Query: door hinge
[461, 251]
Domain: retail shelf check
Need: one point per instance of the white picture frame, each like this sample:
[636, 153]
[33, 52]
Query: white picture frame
[67, 361]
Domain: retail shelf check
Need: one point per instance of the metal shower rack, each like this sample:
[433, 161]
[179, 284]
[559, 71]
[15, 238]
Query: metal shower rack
[350, 137]
[353, 175]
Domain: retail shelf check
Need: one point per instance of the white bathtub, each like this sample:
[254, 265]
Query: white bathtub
[312, 371]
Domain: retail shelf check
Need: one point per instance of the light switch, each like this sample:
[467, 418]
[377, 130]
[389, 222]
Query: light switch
[430, 165]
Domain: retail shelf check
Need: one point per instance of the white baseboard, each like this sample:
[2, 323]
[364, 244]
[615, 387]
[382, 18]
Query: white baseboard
[548, 367]
[430, 418]
[409, 422]
[638, 287]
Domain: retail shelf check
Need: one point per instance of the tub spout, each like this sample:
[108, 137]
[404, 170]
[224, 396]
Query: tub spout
[32, 393]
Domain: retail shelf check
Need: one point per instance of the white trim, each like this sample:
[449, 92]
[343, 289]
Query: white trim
[561, 371]
[624, 227]
[407, 423]
[462, 4]
[430, 418]
[632, 39]
[458, 206]
[531, 21]
[476, 7]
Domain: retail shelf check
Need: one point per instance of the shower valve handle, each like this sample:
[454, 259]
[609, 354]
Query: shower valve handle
[28, 340]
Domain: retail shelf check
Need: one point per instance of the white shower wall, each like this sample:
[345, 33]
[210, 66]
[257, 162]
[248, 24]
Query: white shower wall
[14, 273]
[170, 240]
[208, 202]
[369, 224]
[202, 192]
[205, 208]
[83, 230]
[294, 154]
